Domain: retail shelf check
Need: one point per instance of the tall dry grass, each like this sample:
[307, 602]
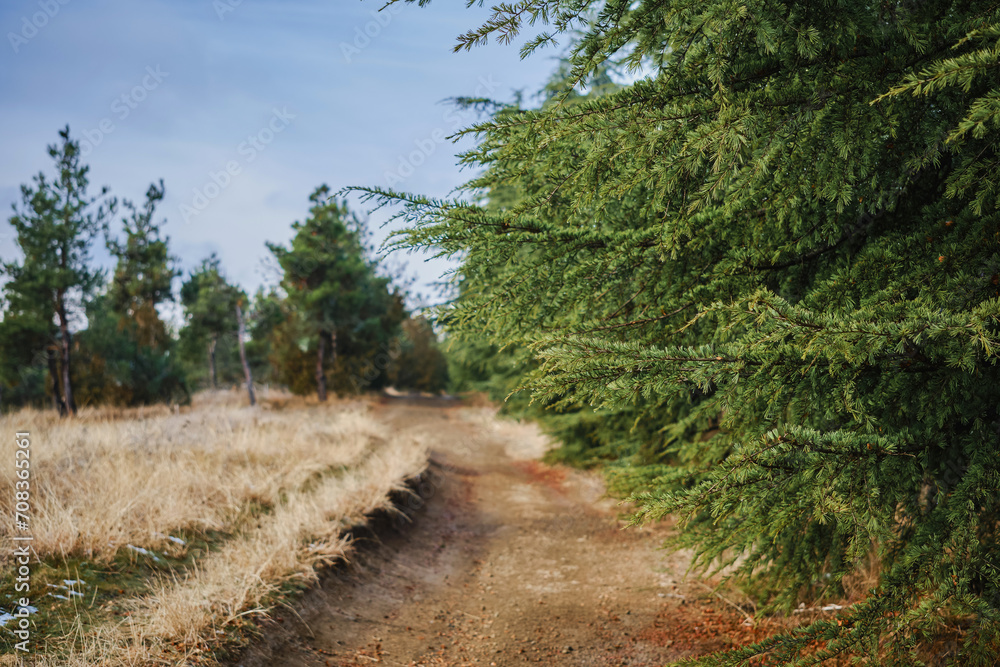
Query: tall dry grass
[105, 481]
[181, 619]
[101, 483]
[304, 531]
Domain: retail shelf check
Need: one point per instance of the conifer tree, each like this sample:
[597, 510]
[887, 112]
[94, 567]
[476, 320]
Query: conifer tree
[210, 302]
[142, 279]
[55, 225]
[26, 343]
[267, 313]
[417, 362]
[113, 366]
[783, 239]
[330, 281]
[125, 355]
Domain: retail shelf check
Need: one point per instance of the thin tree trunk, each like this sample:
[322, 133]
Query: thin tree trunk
[57, 402]
[243, 355]
[331, 342]
[211, 360]
[320, 375]
[66, 343]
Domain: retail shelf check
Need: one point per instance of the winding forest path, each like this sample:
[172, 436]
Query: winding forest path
[507, 561]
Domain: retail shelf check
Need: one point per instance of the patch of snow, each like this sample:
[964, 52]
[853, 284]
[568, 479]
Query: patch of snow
[175, 540]
[144, 552]
[6, 618]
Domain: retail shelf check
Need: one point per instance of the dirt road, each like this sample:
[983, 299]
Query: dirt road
[508, 561]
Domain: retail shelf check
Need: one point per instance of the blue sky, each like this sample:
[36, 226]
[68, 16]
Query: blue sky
[285, 95]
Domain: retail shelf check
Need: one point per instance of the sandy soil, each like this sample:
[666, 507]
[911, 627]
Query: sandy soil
[504, 561]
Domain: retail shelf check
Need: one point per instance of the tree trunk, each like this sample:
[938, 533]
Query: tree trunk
[57, 400]
[320, 375]
[211, 360]
[243, 355]
[66, 343]
[331, 342]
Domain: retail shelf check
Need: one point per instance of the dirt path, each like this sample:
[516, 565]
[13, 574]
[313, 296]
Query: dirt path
[508, 561]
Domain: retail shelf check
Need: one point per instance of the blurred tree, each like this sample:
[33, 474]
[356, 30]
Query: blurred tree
[114, 367]
[142, 279]
[418, 363]
[210, 312]
[266, 314]
[55, 225]
[334, 295]
[27, 350]
[241, 342]
[125, 355]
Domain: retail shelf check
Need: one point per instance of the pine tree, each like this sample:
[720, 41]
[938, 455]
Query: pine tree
[210, 302]
[114, 367]
[417, 363]
[783, 236]
[144, 273]
[267, 313]
[25, 349]
[125, 355]
[55, 225]
[332, 285]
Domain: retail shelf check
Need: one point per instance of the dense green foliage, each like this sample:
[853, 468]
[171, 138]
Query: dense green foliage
[55, 226]
[417, 363]
[209, 336]
[340, 310]
[142, 279]
[27, 352]
[267, 313]
[771, 263]
[114, 365]
[125, 355]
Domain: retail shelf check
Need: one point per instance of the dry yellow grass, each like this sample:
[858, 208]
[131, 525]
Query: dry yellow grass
[103, 482]
[304, 531]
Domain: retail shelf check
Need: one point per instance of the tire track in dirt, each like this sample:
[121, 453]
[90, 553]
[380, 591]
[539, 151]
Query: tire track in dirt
[506, 561]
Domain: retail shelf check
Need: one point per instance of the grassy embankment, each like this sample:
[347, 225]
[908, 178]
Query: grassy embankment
[159, 536]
